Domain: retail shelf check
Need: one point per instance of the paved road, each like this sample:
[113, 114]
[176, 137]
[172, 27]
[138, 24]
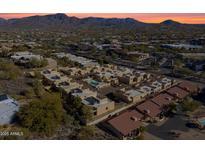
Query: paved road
[161, 130]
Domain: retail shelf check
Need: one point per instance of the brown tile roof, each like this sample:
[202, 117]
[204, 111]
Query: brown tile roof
[126, 122]
[163, 99]
[149, 108]
[188, 86]
[177, 92]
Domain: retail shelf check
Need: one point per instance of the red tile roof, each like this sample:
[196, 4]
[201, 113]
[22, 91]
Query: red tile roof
[150, 108]
[163, 99]
[126, 122]
[188, 86]
[177, 92]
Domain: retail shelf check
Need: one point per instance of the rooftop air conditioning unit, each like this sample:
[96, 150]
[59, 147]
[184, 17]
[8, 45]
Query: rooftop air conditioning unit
[147, 111]
[134, 118]
[177, 94]
[168, 98]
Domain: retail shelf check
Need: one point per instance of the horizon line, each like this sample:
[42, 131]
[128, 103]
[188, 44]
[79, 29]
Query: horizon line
[184, 18]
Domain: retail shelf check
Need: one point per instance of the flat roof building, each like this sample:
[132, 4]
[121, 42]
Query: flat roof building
[25, 57]
[130, 96]
[8, 109]
[98, 105]
[83, 93]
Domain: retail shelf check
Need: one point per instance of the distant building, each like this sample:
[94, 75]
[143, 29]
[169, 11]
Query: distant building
[198, 65]
[140, 55]
[24, 57]
[200, 41]
[84, 62]
[181, 46]
[8, 108]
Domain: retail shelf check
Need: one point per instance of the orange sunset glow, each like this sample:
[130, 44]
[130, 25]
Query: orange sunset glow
[194, 18]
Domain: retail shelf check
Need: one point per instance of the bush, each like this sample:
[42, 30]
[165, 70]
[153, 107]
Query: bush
[43, 115]
[28, 93]
[8, 71]
[190, 105]
[65, 62]
[36, 63]
[86, 133]
[77, 109]
[38, 88]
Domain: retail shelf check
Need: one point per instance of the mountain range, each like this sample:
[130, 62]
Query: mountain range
[64, 21]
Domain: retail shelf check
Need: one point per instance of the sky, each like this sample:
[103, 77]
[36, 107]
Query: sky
[194, 18]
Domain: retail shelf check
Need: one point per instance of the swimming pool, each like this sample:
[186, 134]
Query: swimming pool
[93, 83]
[202, 121]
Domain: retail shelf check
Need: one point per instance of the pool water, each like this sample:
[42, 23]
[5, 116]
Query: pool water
[93, 83]
[202, 121]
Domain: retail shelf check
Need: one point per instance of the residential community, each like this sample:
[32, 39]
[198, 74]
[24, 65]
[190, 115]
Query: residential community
[101, 85]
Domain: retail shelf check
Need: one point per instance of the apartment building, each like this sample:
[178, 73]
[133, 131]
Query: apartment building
[84, 62]
[156, 86]
[98, 105]
[24, 57]
[51, 76]
[83, 93]
[166, 82]
[130, 96]
[146, 90]
[96, 84]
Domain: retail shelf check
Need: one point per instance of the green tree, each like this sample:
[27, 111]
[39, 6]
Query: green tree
[43, 115]
[86, 133]
[8, 71]
[37, 63]
[86, 113]
[189, 104]
[38, 88]
[77, 109]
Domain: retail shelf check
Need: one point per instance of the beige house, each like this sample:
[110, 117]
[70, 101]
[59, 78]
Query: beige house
[146, 90]
[130, 96]
[96, 84]
[166, 82]
[128, 79]
[51, 76]
[156, 86]
[73, 71]
[99, 106]
[107, 77]
[90, 98]
[83, 93]
[67, 87]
